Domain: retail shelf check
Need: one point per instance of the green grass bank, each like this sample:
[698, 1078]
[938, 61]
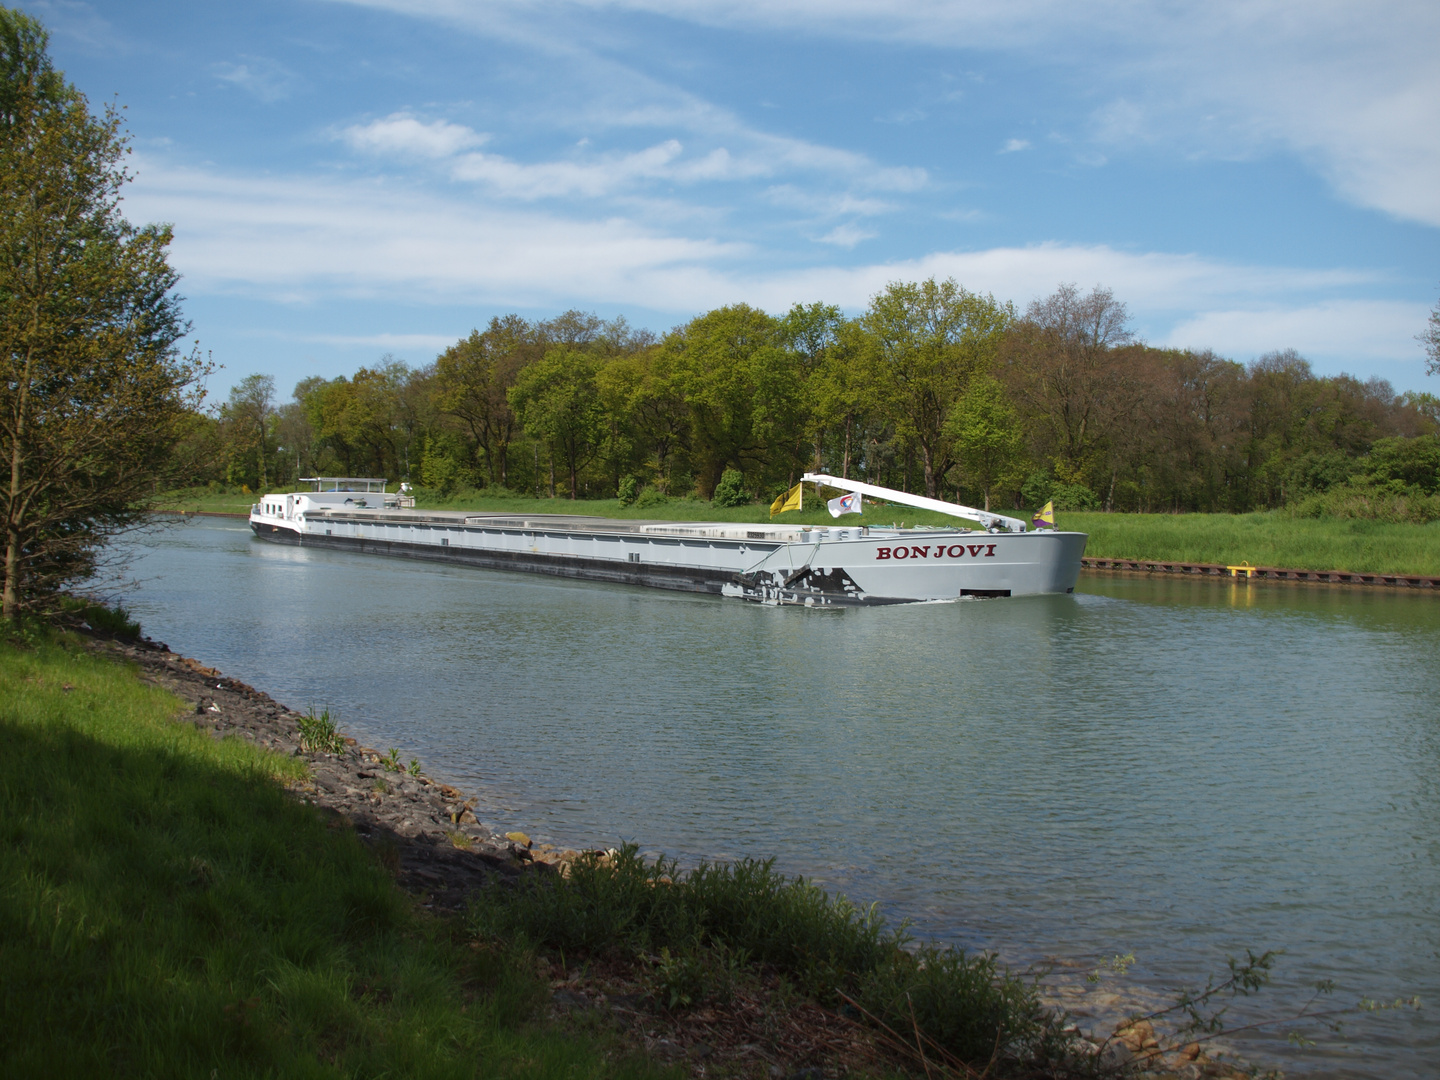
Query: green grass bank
[168, 910]
[1275, 538]
[1269, 539]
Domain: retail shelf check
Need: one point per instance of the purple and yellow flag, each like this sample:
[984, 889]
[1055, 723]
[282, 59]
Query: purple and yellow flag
[1045, 519]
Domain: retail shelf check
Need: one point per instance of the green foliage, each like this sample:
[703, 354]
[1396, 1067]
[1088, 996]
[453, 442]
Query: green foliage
[319, 735]
[111, 621]
[391, 760]
[93, 392]
[730, 491]
[1369, 501]
[628, 491]
[167, 909]
[557, 402]
[986, 435]
[703, 927]
[651, 498]
[933, 389]
[1411, 463]
[442, 464]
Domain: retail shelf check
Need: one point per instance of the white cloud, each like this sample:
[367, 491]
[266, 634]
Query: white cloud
[1014, 145]
[415, 343]
[303, 239]
[593, 175]
[307, 239]
[1352, 88]
[402, 133]
[1361, 330]
[262, 78]
[847, 236]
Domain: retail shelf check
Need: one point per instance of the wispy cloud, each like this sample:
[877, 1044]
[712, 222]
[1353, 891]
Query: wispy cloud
[403, 133]
[267, 80]
[1362, 330]
[1352, 89]
[305, 239]
[588, 173]
[1013, 146]
[416, 344]
[847, 236]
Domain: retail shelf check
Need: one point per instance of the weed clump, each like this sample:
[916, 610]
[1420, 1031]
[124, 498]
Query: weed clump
[319, 735]
[702, 930]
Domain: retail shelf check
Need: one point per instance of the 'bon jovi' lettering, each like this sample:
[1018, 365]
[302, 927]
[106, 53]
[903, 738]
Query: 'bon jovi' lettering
[954, 551]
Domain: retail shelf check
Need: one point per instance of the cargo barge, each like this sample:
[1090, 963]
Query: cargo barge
[770, 563]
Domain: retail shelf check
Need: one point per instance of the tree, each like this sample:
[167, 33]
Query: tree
[1063, 361]
[248, 414]
[94, 393]
[933, 337]
[556, 401]
[1430, 339]
[472, 381]
[716, 357]
[986, 434]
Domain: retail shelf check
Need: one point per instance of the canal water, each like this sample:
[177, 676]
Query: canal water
[1174, 769]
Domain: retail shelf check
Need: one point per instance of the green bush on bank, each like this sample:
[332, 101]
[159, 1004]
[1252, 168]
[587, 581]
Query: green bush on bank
[168, 910]
[710, 922]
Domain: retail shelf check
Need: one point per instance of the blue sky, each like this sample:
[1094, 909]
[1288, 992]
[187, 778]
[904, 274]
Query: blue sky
[351, 178]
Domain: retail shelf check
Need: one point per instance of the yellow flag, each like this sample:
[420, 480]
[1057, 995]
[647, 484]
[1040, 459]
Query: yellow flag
[791, 500]
[1045, 519]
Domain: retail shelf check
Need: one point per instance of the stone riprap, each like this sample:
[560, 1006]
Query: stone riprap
[425, 831]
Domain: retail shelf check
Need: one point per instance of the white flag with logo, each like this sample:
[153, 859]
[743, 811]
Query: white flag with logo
[848, 503]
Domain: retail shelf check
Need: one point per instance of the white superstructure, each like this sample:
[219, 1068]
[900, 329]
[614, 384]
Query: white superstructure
[786, 564]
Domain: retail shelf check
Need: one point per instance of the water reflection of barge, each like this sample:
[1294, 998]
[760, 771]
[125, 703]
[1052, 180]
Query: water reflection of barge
[784, 564]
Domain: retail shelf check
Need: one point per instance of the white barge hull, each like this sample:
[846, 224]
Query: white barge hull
[766, 563]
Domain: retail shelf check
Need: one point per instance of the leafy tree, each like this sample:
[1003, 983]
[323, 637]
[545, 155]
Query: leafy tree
[987, 436]
[1430, 339]
[472, 381]
[248, 416]
[94, 394]
[556, 401]
[716, 357]
[933, 337]
[1065, 366]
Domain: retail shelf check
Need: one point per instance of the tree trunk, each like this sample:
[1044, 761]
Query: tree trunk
[845, 461]
[10, 604]
[550, 459]
[929, 471]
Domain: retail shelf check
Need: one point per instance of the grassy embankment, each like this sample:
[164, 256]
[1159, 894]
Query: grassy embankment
[1268, 539]
[1276, 538]
[168, 909]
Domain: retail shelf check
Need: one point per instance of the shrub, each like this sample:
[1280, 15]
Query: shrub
[1390, 502]
[628, 491]
[651, 497]
[114, 621]
[730, 491]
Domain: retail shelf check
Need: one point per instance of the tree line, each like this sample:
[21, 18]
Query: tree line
[933, 389]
